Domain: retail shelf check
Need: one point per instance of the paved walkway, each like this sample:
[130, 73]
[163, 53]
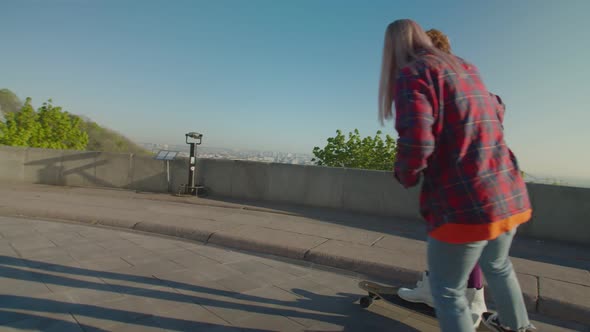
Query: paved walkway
[555, 277]
[70, 277]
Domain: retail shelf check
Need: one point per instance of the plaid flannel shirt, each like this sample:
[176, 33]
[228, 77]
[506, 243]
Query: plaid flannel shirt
[450, 132]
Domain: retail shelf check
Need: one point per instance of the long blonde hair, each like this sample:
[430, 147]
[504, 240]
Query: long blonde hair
[403, 38]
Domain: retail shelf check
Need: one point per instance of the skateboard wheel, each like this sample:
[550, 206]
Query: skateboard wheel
[366, 301]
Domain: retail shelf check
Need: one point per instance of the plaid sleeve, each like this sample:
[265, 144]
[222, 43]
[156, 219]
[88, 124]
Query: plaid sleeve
[414, 121]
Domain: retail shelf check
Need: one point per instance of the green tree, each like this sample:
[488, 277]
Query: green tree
[376, 152]
[20, 128]
[49, 127]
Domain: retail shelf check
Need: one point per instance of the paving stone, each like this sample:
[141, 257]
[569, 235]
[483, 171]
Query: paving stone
[420, 324]
[137, 256]
[6, 248]
[55, 227]
[167, 253]
[131, 236]
[46, 254]
[17, 233]
[60, 263]
[271, 276]
[224, 303]
[552, 271]
[20, 284]
[271, 295]
[570, 300]
[529, 286]
[367, 260]
[64, 322]
[206, 292]
[543, 323]
[158, 266]
[155, 244]
[67, 239]
[185, 316]
[147, 324]
[32, 243]
[58, 283]
[111, 313]
[118, 243]
[220, 255]
[95, 233]
[266, 240]
[190, 259]
[340, 283]
[268, 322]
[301, 283]
[296, 269]
[327, 230]
[12, 221]
[240, 283]
[223, 328]
[104, 264]
[131, 280]
[249, 266]
[277, 301]
[179, 279]
[190, 245]
[230, 311]
[216, 272]
[97, 295]
[42, 305]
[87, 251]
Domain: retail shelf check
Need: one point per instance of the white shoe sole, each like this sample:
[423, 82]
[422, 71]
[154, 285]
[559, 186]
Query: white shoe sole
[416, 301]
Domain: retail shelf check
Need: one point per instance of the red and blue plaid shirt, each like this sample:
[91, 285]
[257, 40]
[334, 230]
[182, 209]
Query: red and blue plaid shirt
[450, 132]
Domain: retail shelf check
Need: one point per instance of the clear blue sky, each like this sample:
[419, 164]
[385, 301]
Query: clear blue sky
[284, 75]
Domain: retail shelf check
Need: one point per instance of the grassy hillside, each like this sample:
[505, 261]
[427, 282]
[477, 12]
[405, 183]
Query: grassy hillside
[99, 138]
[9, 102]
[104, 139]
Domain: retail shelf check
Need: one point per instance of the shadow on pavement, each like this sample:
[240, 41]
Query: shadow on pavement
[28, 321]
[338, 310]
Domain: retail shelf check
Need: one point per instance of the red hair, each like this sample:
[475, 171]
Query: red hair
[439, 40]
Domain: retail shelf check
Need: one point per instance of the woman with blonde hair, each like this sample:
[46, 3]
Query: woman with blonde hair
[473, 195]
[474, 292]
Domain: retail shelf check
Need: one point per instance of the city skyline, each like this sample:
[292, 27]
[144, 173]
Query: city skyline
[305, 159]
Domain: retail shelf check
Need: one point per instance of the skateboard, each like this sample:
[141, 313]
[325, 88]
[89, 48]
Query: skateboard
[377, 292]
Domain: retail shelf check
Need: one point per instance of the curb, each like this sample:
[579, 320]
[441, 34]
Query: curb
[550, 306]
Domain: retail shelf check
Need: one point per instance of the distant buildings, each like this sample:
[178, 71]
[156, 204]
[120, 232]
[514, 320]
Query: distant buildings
[234, 154]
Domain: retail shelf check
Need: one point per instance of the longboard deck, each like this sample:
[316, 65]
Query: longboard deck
[387, 294]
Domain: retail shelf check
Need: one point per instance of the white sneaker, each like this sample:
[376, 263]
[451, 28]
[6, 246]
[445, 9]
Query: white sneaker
[420, 294]
[491, 321]
[477, 304]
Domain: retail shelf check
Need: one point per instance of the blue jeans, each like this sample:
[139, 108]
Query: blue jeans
[449, 266]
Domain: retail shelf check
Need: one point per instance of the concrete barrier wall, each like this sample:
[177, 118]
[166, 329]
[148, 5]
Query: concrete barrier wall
[374, 192]
[12, 164]
[89, 169]
[560, 213]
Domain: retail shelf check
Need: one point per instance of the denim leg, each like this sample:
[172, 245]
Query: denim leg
[503, 284]
[449, 266]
